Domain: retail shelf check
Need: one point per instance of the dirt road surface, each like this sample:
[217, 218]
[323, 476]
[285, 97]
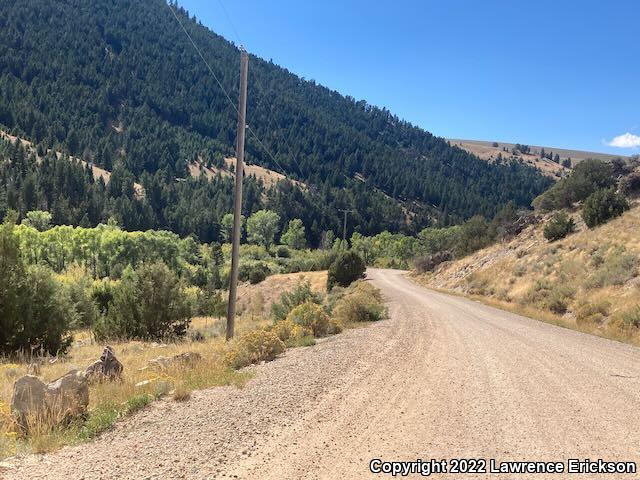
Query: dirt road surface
[444, 377]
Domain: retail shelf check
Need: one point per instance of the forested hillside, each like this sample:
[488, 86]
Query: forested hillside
[117, 83]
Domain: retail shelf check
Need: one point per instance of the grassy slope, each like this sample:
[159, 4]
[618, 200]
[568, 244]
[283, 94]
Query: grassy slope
[486, 151]
[589, 272]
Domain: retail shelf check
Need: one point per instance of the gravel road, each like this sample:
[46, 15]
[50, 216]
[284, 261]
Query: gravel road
[444, 377]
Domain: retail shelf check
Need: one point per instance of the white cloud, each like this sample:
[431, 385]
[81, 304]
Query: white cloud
[628, 140]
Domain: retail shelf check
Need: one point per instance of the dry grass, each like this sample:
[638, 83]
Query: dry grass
[257, 299]
[269, 177]
[487, 151]
[140, 385]
[586, 281]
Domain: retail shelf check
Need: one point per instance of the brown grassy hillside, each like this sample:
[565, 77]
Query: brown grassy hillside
[587, 281]
[486, 151]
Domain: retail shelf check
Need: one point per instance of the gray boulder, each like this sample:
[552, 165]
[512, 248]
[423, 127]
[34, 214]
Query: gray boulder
[63, 399]
[28, 402]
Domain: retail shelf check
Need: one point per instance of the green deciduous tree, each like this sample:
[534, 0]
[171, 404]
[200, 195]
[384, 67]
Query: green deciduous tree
[38, 219]
[474, 235]
[227, 226]
[262, 227]
[294, 235]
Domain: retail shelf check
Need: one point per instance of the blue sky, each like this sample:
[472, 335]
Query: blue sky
[558, 73]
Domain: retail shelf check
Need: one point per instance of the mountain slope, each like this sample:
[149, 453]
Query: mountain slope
[551, 163]
[117, 82]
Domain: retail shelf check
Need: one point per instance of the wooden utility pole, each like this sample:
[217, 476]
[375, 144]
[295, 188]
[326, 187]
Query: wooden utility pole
[344, 227]
[237, 202]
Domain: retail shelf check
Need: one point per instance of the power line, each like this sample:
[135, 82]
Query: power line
[270, 117]
[203, 59]
[233, 27]
[235, 108]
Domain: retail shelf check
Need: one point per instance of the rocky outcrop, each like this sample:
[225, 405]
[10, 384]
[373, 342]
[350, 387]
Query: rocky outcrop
[430, 262]
[524, 221]
[36, 402]
[108, 367]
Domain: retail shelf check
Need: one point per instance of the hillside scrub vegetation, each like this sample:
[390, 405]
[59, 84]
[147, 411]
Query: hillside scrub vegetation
[559, 226]
[361, 302]
[588, 280]
[586, 178]
[310, 316]
[603, 205]
[289, 300]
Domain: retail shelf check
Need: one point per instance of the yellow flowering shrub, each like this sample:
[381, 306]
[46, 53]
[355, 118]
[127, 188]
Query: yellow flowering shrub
[253, 347]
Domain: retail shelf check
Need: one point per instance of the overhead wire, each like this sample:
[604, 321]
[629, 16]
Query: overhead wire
[233, 27]
[228, 97]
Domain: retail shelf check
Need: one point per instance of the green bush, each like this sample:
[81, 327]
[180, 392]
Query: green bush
[80, 295]
[48, 314]
[148, 304]
[302, 293]
[283, 252]
[559, 227]
[587, 177]
[102, 294]
[550, 296]
[35, 311]
[253, 272]
[617, 267]
[253, 347]
[311, 316]
[361, 304]
[602, 206]
[293, 335]
[346, 269]
[210, 303]
[257, 275]
[309, 261]
[626, 323]
[631, 318]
